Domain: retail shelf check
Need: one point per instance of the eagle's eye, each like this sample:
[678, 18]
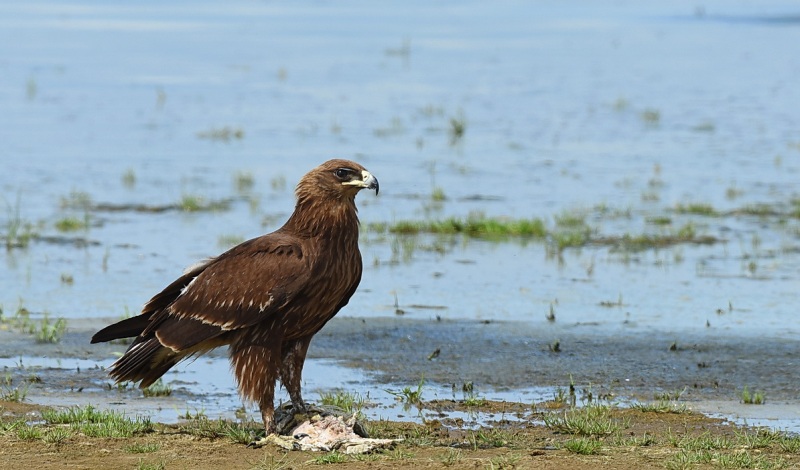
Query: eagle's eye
[343, 173]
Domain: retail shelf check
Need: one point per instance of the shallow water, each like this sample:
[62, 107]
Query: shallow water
[207, 388]
[617, 111]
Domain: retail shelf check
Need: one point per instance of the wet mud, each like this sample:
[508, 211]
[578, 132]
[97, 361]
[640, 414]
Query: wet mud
[507, 355]
[373, 355]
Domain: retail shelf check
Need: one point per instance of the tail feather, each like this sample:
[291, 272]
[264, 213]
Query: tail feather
[148, 358]
[162, 340]
[154, 310]
[127, 328]
[144, 362]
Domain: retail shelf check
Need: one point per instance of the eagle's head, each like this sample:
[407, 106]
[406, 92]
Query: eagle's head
[335, 180]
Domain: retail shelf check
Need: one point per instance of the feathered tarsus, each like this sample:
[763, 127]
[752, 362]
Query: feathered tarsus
[265, 298]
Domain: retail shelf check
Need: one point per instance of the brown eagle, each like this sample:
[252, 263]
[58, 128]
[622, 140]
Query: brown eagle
[265, 298]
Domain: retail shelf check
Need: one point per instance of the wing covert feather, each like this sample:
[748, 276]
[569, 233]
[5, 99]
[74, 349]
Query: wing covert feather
[244, 285]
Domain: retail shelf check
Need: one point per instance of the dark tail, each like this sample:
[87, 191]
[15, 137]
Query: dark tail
[134, 326]
[145, 361]
[127, 328]
[153, 353]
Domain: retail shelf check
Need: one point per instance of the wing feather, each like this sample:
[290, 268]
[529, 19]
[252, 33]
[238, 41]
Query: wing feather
[235, 290]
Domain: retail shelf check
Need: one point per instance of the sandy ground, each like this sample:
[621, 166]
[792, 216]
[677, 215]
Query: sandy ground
[644, 440]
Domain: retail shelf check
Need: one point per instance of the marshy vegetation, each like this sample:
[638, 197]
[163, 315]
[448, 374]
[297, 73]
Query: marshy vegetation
[752, 398]
[18, 231]
[92, 422]
[11, 392]
[566, 232]
[223, 134]
[409, 395]
[575, 228]
[347, 402]
[40, 326]
[158, 389]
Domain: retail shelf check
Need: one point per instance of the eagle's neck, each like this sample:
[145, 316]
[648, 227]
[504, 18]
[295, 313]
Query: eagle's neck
[325, 218]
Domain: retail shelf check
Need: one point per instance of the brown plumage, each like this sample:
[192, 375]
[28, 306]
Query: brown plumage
[265, 298]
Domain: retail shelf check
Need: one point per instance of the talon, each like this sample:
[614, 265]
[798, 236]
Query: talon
[300, 408]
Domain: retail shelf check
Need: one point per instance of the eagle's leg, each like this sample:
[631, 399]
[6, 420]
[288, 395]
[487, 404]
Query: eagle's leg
[293, 356]
[256, 369]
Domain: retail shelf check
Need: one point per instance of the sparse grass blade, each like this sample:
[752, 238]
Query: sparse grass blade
[347, 402]
[56, 435]
[331, 457]
[752, 398]
[9, 392]
[661, 406]
[583, 446]
[49, 331]
[158, 389]
[409, 395]
[144, 448]
[592, 420]
[98, 423]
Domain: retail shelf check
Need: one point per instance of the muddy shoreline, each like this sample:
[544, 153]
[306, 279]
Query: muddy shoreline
[512, 355]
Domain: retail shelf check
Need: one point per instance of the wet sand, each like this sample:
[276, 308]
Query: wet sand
[708, 370]
[515, 355]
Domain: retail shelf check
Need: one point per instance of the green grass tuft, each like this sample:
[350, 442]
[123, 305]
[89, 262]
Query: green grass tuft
[56, 435]
[409, 395]
[651, 117]
[244, 181]
[330, 457]
[137, 448]
[142, 465]
[129, 178]
[346, 401]
[451, 457]
[704, 441]
[240, 433]
[44, 331]
[19, 232]
[12, 393]
[494, 438]
[28, 432]
[158, 389]
[752, 398]
[48, 331]
[477, 226]
[583, 446]
[591, 420]
[96, 423]
[194, 203]
[224, 134]
[660, 220]
[696, 209]
[458, 126]
[72, 223]
[661, 406]
[76, 200]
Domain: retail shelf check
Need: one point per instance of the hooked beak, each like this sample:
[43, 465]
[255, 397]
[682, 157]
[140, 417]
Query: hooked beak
[367, 181]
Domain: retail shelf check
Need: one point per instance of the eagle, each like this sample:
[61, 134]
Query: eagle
[265, 298]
